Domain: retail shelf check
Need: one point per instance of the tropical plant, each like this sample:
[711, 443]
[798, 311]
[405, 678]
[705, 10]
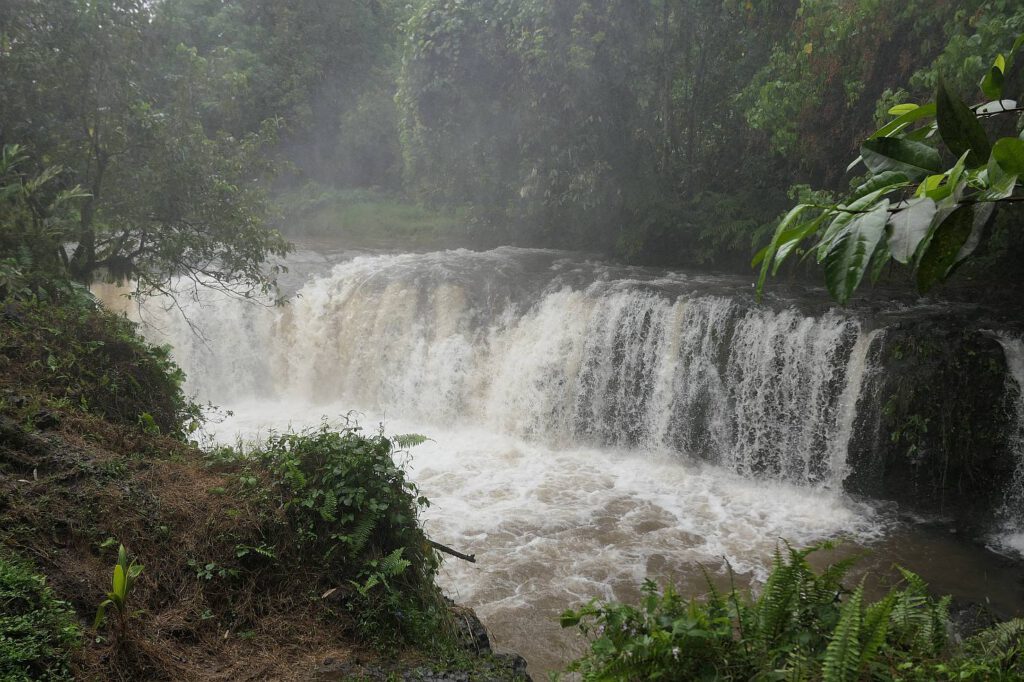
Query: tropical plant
[124, 577]
[933, 184]
[36, 217]
[804, 625]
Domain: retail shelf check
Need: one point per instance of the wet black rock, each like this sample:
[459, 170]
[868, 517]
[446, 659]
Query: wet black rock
[932, 423]
[485, 664]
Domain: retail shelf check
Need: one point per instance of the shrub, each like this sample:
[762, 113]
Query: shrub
[803, 626]
[37, 632]
[95, 360]
[348, 506]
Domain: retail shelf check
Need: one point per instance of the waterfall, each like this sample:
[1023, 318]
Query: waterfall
[492, 339]
[1012, 513]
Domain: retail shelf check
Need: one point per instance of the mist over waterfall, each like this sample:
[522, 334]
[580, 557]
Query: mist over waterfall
[520, 342]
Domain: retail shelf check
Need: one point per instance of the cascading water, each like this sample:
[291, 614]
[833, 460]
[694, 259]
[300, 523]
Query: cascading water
[1012, 514]
[613, 364]
[590, 426]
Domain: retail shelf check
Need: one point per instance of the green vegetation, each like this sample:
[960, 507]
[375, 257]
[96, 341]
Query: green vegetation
[109, 107]
[913, 207]
[366, 217]
[339, 500]
[78, 355]
[662, 131]
[125, 575]
[670, 130]
[38, 632]
[804, 625]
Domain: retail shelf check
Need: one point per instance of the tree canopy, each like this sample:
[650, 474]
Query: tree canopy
[672, 132]
[102, 102]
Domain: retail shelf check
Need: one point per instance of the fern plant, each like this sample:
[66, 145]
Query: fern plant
[380, 571]
[804, 625]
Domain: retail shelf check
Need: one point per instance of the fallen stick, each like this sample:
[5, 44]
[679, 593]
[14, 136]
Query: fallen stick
[471, 558]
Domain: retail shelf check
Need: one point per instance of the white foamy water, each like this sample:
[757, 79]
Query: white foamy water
[555, 527]
[464, 339]
[588, 430]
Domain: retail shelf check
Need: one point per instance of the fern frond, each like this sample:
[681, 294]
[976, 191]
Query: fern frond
[1001, 638]
[393, 564]
[774, 607]
[329, 506]
[409, 440]
[843, 655]
[360, 535]
[875, 629]
[799, 666]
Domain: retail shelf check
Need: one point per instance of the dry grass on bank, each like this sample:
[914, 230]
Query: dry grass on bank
[66, 492]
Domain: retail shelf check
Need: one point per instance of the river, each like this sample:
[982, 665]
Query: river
[590, 425]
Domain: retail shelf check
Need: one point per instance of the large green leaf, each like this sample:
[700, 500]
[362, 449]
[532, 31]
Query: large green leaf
[944, 246]
[1008, 152]
[846, 213]
[992, 83]
[767, 255]
[915, 160]
[909, 226]
[888, 179]
[983, 214]
[851, 251]
[906, 116]
[792, 239]
[959, 127]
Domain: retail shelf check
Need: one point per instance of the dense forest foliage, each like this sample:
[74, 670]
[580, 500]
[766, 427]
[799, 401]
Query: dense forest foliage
[663, 131]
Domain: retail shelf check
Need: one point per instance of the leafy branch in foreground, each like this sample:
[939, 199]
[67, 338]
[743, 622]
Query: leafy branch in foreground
[804, 625]
[913, 206]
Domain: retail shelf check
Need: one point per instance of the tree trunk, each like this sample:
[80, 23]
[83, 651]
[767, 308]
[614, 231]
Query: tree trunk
[83, 261]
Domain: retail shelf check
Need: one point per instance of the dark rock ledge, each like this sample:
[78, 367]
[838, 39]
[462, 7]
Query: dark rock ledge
[486, 665]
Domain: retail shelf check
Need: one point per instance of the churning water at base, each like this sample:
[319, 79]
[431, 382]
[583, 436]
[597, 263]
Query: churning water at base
[553, 527]
[590, 426]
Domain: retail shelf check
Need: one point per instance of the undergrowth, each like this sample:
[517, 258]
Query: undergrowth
[83, 357]
[337, 499]
[37, 631]
[804, 625]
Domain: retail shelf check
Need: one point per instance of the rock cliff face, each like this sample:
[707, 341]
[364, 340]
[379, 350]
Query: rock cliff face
[934, 422]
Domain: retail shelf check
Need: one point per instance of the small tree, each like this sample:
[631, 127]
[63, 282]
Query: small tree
[93, 89]
[934, 182]
[36, 216]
